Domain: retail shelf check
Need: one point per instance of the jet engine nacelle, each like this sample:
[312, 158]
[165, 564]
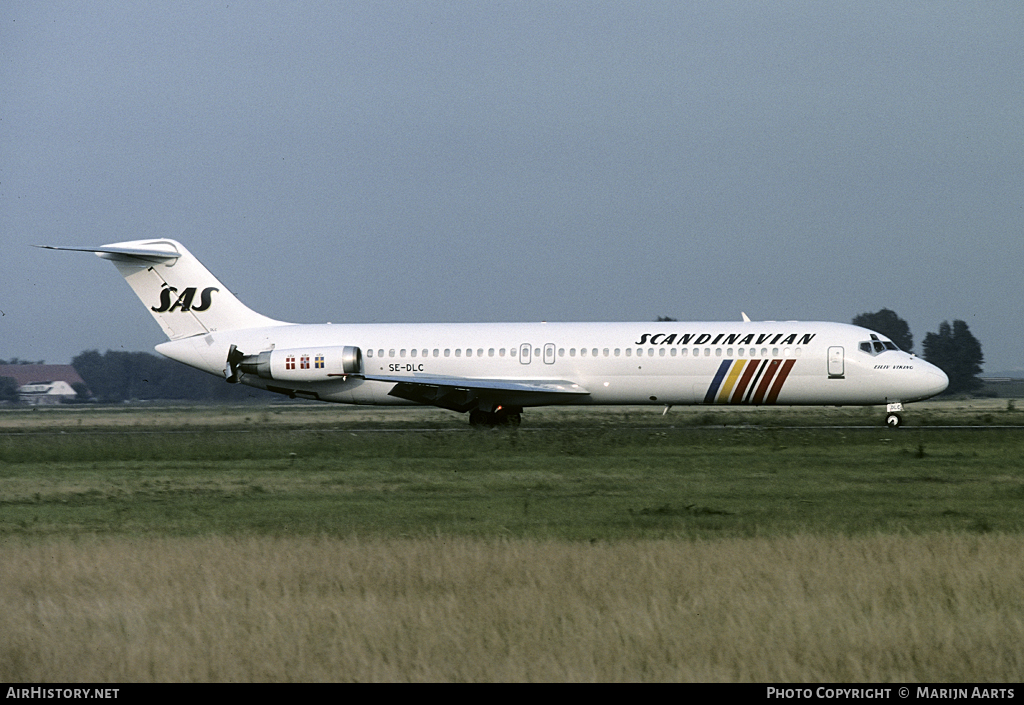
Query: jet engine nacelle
[323, 364]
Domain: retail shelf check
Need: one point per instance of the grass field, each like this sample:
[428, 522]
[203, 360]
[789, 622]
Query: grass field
[931, 608]
[298, 543]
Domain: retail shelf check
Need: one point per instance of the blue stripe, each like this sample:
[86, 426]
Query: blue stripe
[709, 398]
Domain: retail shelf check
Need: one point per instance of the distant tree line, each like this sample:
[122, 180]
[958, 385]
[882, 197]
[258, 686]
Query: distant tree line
[123, 376]
[957, 353]
[8, 389]
[954, 349]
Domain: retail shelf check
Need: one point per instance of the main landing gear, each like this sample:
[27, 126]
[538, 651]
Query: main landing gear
[894, 415]
[510, 416]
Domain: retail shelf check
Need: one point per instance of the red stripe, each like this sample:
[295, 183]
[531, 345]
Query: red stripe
[773, 367]
[779, 381]
[748, 373]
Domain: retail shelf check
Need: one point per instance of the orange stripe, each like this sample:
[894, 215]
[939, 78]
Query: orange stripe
[734, 373]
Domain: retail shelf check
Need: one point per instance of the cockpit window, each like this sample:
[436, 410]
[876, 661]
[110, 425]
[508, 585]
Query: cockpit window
[876, 346]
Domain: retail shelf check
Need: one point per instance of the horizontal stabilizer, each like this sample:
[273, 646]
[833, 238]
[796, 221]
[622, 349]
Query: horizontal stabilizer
[157, 254]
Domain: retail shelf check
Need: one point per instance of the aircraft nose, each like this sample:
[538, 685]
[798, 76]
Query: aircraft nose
[933, 381]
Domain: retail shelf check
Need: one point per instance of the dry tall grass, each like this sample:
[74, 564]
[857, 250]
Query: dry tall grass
[931, 608]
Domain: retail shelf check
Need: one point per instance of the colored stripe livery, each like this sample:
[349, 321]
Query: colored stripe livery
[748, 381]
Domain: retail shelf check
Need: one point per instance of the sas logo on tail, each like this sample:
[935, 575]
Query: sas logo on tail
[184, 300]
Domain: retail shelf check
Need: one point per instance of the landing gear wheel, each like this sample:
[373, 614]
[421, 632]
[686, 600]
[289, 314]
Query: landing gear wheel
[893, 420]
[509, 417]
[512, 419]
[480, 419]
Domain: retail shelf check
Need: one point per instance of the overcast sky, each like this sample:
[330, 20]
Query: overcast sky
[510, 161]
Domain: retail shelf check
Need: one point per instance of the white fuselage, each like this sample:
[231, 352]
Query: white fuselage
[494, 370]
[665, 363]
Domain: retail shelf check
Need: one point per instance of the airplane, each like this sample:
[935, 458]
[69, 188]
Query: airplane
[495, 370]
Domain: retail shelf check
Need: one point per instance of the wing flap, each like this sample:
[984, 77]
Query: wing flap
[551, 386]
[465, 393]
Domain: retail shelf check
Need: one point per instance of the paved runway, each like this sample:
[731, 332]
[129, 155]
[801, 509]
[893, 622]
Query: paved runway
[523, 429]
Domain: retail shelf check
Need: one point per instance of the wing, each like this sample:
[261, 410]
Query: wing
[464, 393]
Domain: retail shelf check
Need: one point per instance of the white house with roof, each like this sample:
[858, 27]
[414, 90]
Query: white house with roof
[40, 385]
[43, 393]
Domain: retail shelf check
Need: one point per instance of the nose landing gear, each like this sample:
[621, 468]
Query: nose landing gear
[893, 414]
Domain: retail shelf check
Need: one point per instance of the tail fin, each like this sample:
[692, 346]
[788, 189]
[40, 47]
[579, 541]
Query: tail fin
[181, 294]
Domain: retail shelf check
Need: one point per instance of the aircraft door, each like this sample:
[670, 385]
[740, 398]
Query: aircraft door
[549, 354]
[835, 362]
[525, 350]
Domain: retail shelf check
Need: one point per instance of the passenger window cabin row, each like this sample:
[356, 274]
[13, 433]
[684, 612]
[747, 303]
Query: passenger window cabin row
[596, 352]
